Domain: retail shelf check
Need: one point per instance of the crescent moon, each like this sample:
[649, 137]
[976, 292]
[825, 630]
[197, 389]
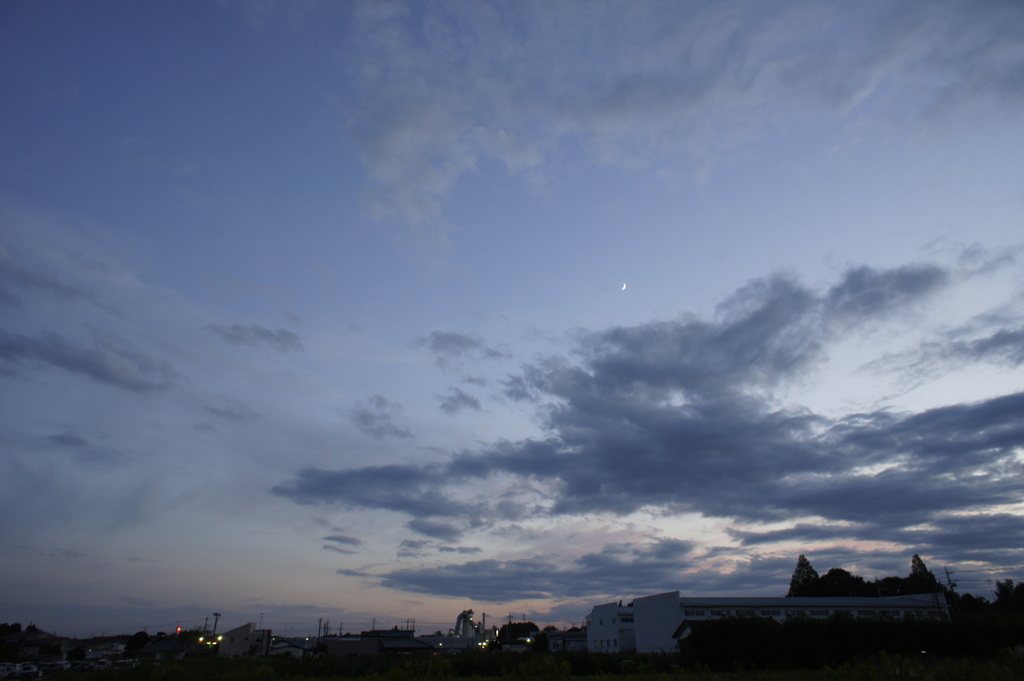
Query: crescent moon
[623, 288]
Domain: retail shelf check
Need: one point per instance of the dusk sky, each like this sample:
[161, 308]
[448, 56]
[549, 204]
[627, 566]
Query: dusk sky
[380, 311]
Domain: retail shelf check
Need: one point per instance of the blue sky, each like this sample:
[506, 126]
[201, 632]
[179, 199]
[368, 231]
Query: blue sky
[317, 309]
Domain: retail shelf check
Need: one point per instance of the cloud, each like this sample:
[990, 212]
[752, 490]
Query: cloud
[678, 417]
[460, 549]
[107, 360]
[865, 291]
[374, 417]
[339, 549]
[640, 568]
[958, 347]
[344, 539]
[412, 548]
[339, 544]
[13, 277]
[456, 400]
[257, 336]
[709, 79]
[437, 530]
[69, 440]
[405, 488]
[234, 411]
[451, 350]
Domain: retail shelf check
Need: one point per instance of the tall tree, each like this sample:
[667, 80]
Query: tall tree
[920, 580]
[805, 579]
[1009, 597]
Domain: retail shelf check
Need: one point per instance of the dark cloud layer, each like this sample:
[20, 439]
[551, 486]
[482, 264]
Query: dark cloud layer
[678, 417]
[623, 569]
[435, 529]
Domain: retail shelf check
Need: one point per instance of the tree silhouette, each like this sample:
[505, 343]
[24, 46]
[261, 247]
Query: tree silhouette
[1009, 597]
[509, 633]
[805, 579]
[138, 640]
[921, 580]
[840, 582]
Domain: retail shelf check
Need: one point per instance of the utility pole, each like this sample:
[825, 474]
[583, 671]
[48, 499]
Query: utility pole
[952, 585]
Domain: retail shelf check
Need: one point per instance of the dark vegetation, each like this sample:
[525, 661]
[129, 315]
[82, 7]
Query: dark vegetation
[841, 639]
[553, 667]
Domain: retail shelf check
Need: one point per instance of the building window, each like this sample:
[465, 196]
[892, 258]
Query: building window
[627, 618]
[693, 613]
[719, 613]
[771, 613]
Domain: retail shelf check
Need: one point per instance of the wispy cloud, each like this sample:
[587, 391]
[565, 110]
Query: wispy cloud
[375, 416]
[710, 78]
[256, 336]
[13, 277]
[451, 349]
[458, 400]
[107, 359]
[340, 543]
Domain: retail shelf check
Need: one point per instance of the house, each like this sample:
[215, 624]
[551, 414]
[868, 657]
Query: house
[36, 644]
[380, 641]
[567, 641]
[108, 650]
[172, 647]
[295, 647]
[652, 624]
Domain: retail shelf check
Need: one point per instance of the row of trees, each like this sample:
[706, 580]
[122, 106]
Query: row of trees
[1009, 595]
[840, 582]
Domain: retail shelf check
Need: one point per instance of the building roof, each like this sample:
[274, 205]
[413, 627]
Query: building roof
[914, 601]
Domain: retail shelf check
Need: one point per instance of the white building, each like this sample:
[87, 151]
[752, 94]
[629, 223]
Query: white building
[610, 628]
[245, 641]
[650, 624]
